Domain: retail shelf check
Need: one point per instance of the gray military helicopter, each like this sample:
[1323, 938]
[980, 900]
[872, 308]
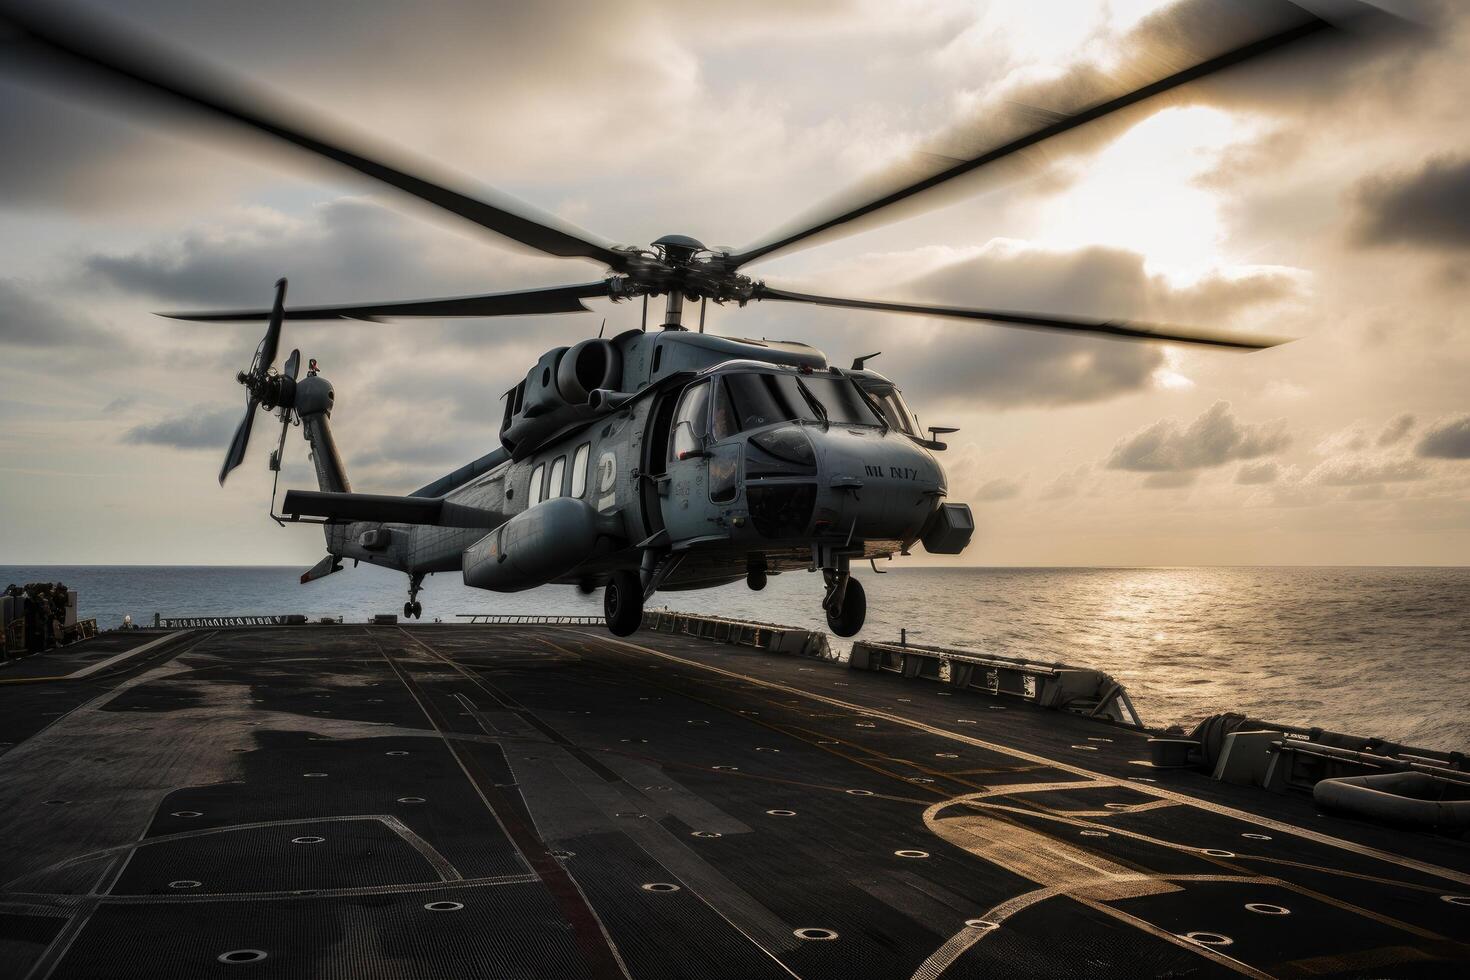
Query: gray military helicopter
[656, 460]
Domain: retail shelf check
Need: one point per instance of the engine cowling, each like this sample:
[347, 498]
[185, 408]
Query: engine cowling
[534, 547]
[586, 367]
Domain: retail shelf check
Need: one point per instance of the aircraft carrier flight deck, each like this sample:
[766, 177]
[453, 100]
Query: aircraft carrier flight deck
[364, 801]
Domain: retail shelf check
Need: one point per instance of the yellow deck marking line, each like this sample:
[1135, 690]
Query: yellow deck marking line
[1149, 789]
[1114, 829]
[943, 957]
[1208, 952]
[1198, 852]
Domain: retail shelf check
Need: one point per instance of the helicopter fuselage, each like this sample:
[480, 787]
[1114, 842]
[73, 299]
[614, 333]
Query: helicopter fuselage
[711, 460]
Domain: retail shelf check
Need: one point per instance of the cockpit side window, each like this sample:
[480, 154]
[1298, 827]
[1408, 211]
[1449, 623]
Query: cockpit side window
[894, 409]
[691, 422]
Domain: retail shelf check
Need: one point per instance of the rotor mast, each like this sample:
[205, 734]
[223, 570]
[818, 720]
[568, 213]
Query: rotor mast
[674, 311]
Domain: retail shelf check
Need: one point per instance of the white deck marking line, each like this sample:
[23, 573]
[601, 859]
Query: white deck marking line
[1361, 850]
[91, 669]
[48, 904]
[437, 861]
[470, 676]
[612, 946]
[448, 743]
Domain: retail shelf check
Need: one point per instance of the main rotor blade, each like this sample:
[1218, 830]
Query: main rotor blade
[160, 71]
[1034, 321]
[1307, 26]
[523, 302]
[235, 455]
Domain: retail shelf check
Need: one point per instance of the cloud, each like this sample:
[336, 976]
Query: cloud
[1169, 481]
[417, 451]
[1067, 483]
[1360, 471]
[1449, 438]
[997, 489]
[1252, 474]
[544, 71]
[1428, 208]
[1004, 366]
[199, 428]
[363, 250]
[1367, 491]
[28, 321]
[1396, 429]
[1030, 97]
[1213, 439]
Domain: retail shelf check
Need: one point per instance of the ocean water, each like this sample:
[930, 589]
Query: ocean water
[1372, 651]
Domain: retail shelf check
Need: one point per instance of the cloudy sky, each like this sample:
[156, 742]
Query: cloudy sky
[1324, 197]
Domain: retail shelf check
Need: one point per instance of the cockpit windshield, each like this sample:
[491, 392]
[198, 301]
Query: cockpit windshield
[844, 404]
[749, 400]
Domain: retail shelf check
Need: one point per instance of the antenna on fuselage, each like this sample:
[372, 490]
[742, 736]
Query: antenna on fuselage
[703, 302]
[645, 313]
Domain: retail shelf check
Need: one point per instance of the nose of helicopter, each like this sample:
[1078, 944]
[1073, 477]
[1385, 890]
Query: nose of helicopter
[870, 485]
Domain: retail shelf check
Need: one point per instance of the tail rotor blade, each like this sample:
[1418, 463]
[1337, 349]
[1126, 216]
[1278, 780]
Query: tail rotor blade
[272, 339]
[236, 454]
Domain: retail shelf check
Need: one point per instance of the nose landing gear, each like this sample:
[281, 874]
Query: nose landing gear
[412, 609]
[846, 603]
[755, 572]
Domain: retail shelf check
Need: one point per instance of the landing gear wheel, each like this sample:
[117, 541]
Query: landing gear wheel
[622, 603]
[854, 611]
[412, 609]
[586, 586]
[756, 579]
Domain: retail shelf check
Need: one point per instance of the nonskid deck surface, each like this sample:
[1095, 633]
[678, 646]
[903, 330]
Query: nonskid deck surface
[535, 801]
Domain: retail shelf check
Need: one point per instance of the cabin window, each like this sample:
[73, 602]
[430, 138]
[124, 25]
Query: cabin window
[579, 468]
[558, 471]
[691, 422]
[533, 492]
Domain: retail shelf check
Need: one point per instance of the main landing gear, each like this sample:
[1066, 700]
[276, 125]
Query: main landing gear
[622, 602]
[846, 603]
[412, 609]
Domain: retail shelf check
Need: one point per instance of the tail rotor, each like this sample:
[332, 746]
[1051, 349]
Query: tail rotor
[264, 388]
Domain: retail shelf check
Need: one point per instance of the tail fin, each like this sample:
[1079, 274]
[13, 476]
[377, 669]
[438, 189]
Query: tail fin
[314, 397]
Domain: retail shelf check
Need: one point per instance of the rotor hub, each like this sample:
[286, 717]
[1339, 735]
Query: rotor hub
[678, 249]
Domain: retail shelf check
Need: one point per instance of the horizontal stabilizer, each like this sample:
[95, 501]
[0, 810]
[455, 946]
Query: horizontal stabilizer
[387, 509]
[323, 568]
